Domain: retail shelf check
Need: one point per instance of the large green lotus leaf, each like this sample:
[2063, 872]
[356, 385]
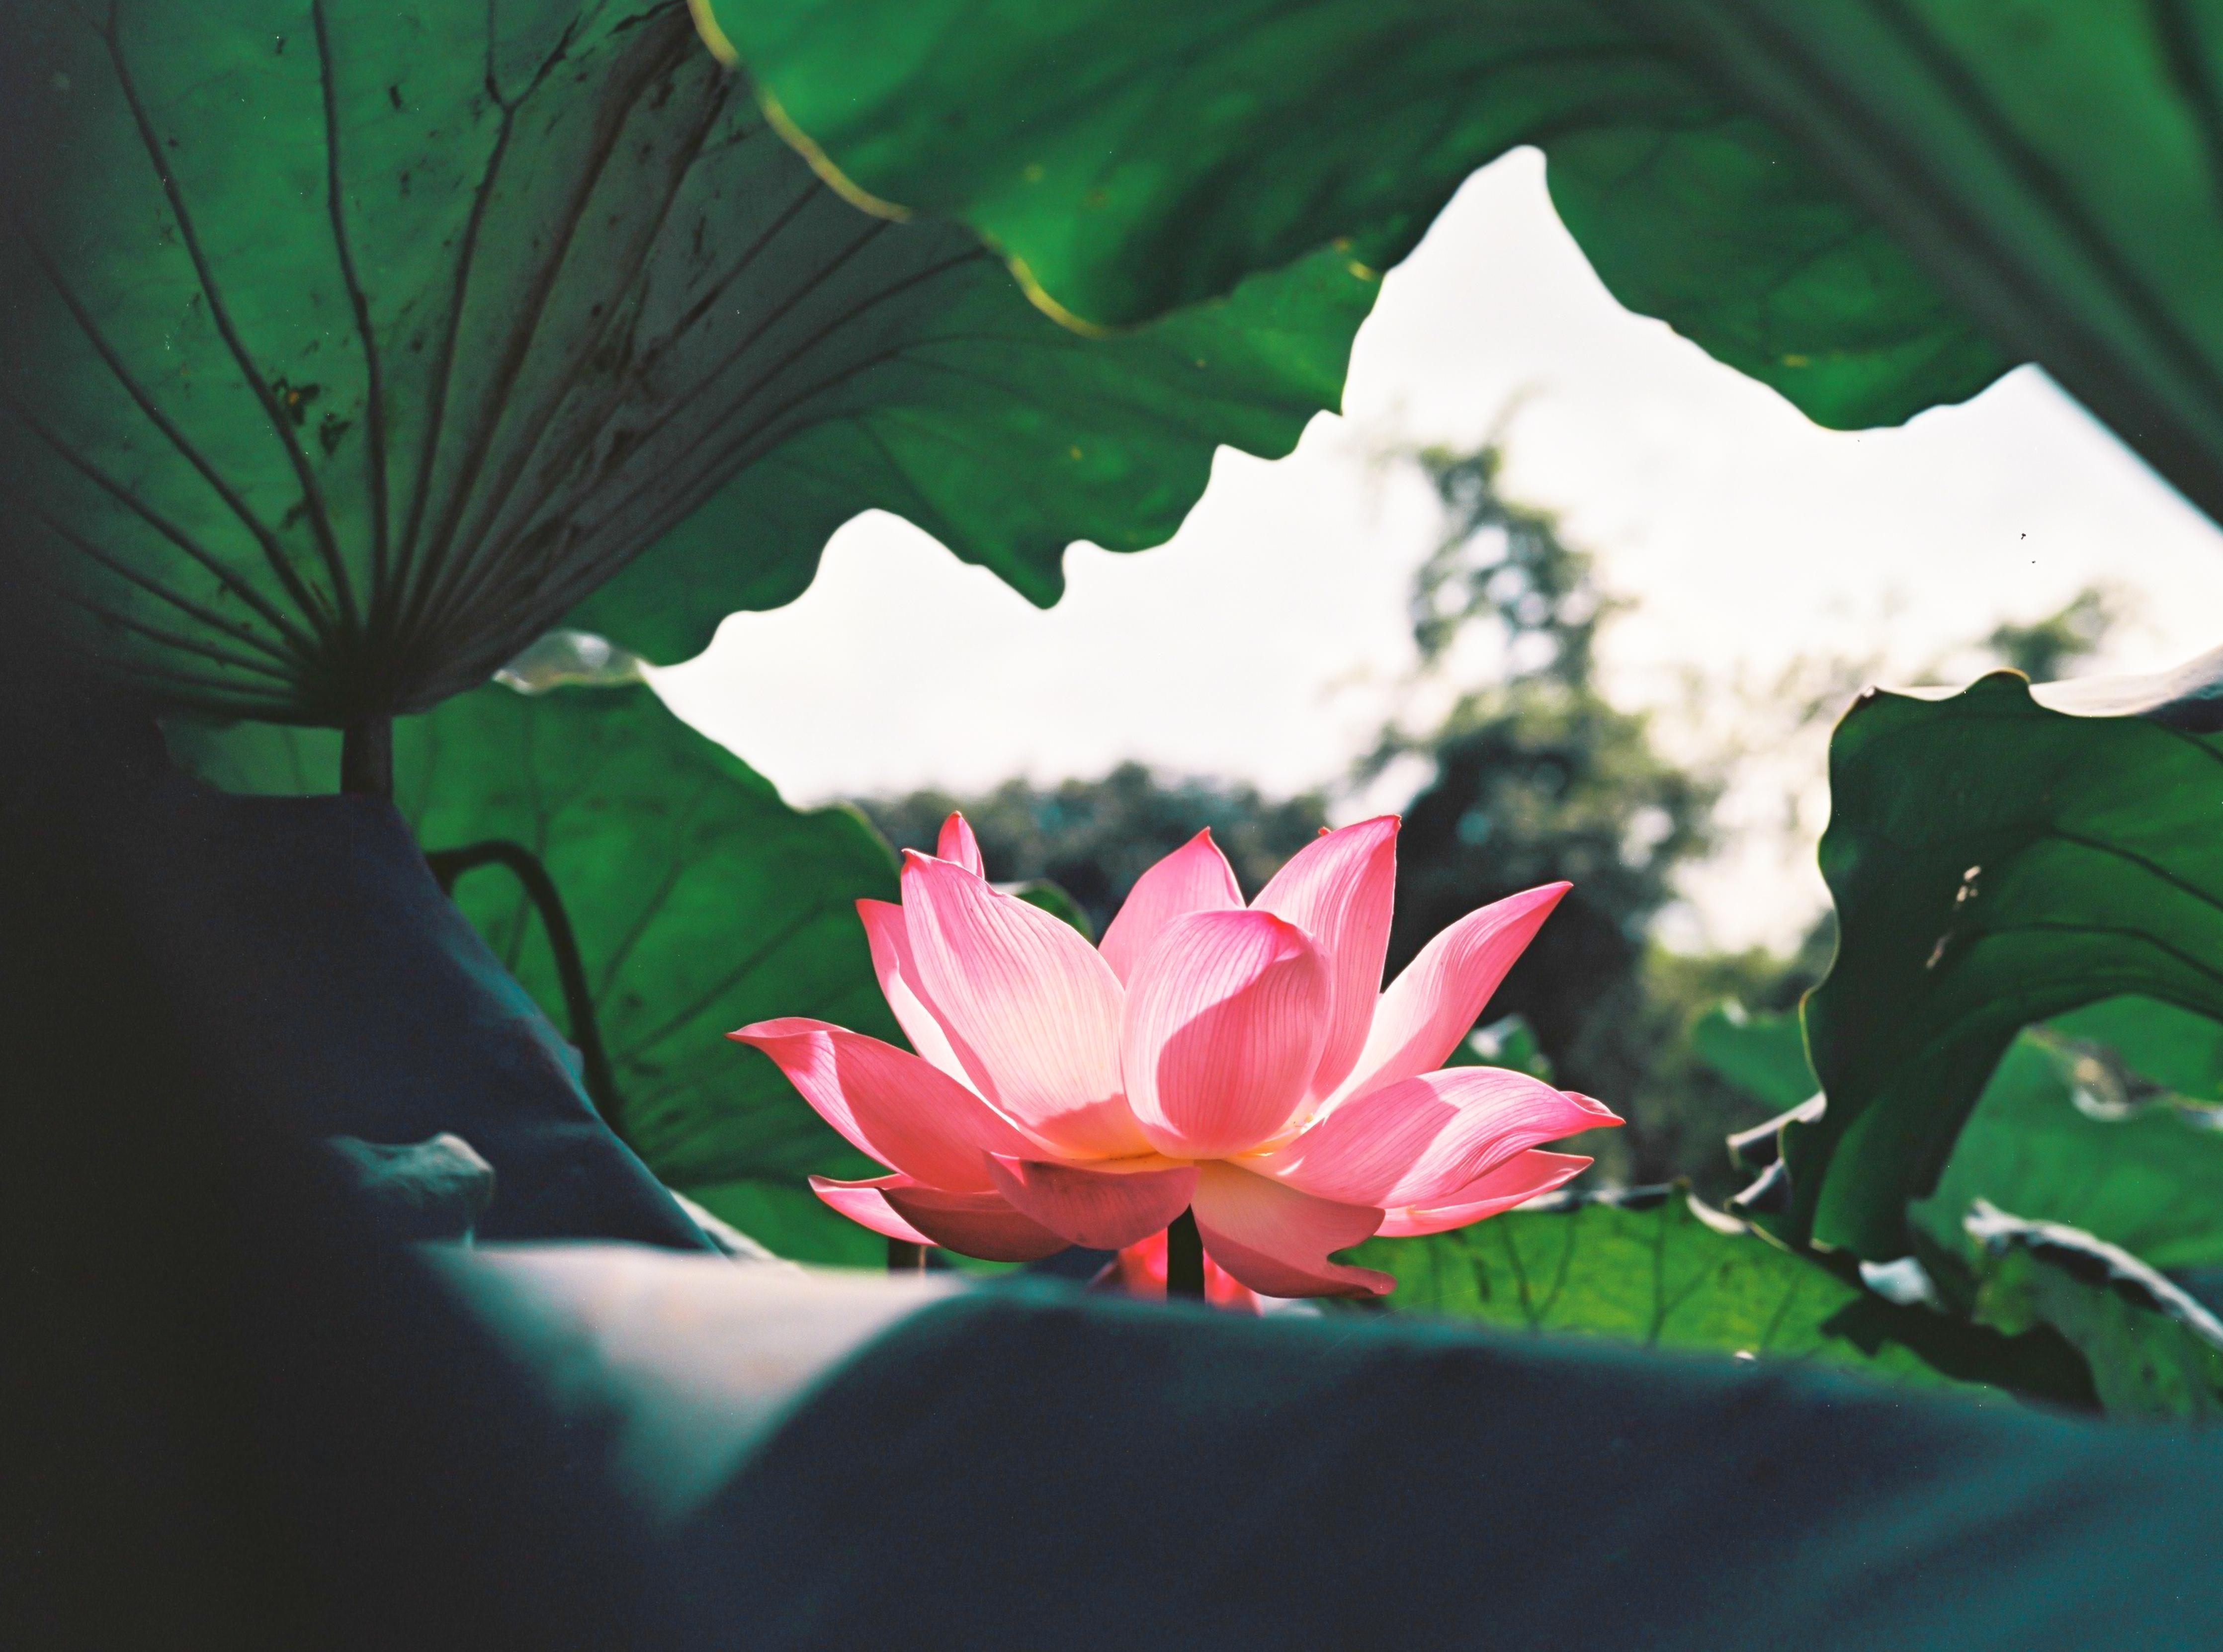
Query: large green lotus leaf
[1995, 862]
[700, 901]
[2056, 165]
[2071, 1130]
[2153, 1350]
[1762, 1053]
[1133, 155]
[345, 348]
[1654, 1267]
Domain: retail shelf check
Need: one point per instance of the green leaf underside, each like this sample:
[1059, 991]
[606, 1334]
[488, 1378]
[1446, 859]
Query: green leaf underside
[2056, 166]
[1133, 155]
[1994, 864]
[1648, 1268]
[701, 903]
[2146, 1174]
[347, 348]
[1762, 1054]
[2153, 1352]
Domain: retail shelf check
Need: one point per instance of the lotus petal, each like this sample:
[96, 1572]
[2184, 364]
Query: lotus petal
[1195, 877]
[1422, 1139]
[905, 1112]
[958, 845]
[1338, 890]
[1031, 1010]
[1140, 1270]
[972, 1224]
[1222, 1032]
[1437, 996]
[1524, 1177]
[865, 1203]
[1104, 1209]
[1276, 1240]
[886, 934]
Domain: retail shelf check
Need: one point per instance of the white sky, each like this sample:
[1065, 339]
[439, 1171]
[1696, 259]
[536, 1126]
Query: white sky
[1265, 640]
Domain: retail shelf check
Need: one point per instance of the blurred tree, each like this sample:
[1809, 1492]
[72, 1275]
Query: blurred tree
[2046, 651]
[1538, 776]
[1094, 838]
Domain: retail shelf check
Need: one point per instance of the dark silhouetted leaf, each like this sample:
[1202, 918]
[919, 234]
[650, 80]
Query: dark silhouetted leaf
[701, 902]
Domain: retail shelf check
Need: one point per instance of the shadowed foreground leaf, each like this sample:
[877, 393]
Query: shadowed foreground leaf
[701, 902]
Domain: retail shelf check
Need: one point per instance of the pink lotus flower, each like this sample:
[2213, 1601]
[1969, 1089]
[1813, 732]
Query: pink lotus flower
[1242, 1062]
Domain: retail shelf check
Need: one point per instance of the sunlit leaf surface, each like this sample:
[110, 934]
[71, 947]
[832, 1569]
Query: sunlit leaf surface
[2073, 1129]
[2154, 1351]
[1654, 1268]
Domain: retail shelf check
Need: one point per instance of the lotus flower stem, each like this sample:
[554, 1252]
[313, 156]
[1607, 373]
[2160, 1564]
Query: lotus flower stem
[366, 756]
[1184, 1257]
[904, 1257]
[448, 864]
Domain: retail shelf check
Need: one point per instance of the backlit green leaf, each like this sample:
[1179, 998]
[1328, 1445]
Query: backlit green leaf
[1872, 205]
[1995, 864]
[1762, 1054]
[345, 348]
[1655, 1268]
[2154, 1352]
[1132, 155]
[2072, 1129]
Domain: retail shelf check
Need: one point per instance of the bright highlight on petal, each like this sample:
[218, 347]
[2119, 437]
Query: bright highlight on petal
[1105, 1211]
[1439, 995]
[1222, 1032]
[884, 933]
[1276, 1240]
[1338, 889]
[1518, 1179]
[958, 845]
[1195, 877]
[910, 1116]
[1032, 1012]
[1417, 1141]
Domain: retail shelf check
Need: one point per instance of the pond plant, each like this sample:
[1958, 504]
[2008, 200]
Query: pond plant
[351, 354]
